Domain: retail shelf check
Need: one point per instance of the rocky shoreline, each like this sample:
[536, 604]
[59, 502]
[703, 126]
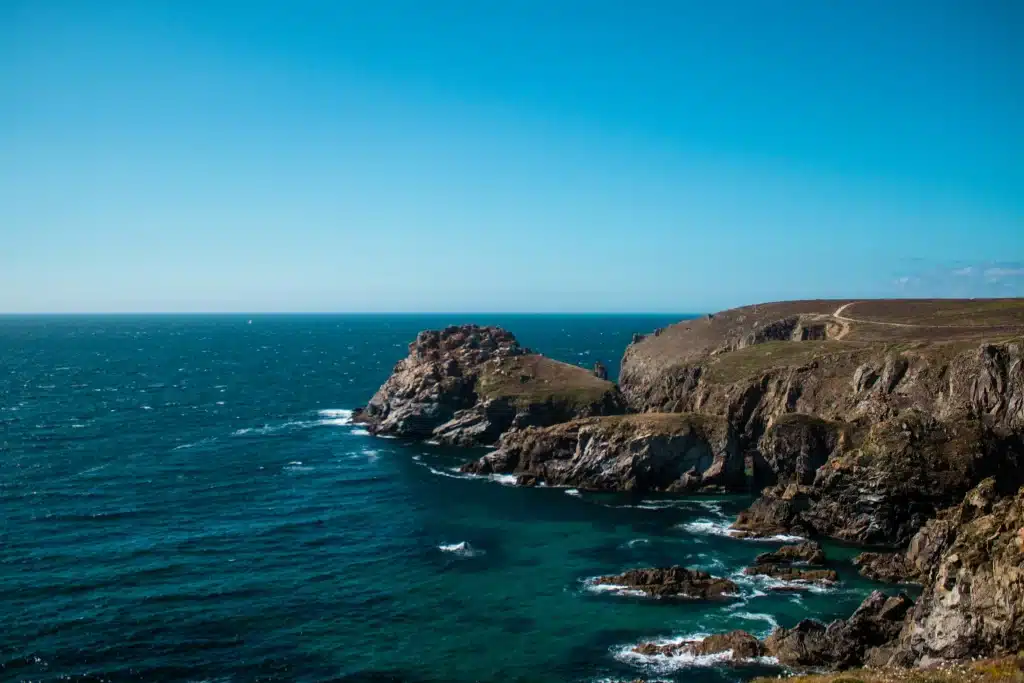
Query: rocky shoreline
[883, 426]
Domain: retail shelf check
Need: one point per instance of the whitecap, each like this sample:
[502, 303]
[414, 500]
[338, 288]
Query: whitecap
[371, 453]
[573, 492]
[463, 549]
[591, 586]
[417, 458]
[194, 444]
[504, 479]
[760, 583]
[708, 527]
[758, 616]
[360, 432]
[637, 541]
[336, 417]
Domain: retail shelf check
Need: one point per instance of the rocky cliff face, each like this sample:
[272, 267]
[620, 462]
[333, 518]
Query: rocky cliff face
[652, 452]
[468, 385]
[972, 558]
[860, 428]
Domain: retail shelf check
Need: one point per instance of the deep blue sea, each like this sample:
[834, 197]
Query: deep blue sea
[185, 499]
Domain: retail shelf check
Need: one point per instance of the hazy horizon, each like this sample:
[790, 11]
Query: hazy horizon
[585, 157]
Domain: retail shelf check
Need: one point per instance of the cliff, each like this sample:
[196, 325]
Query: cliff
[861, 419]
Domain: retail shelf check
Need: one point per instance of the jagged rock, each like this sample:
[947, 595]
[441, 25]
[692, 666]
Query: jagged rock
[973, 601]
[468, 385]
[844, 643]
[741, 644]
[891, 567]
[793, 574]
[600, 371]
[651, 452]
[778, 511]
[807, 552]
[673, 582]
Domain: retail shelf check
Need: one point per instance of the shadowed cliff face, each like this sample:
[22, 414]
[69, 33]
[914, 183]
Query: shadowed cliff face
[862, 418]
[652, 452]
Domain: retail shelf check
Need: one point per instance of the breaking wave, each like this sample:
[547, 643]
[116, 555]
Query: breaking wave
[463, 549]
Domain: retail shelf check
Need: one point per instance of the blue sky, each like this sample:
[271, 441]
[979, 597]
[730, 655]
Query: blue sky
[525, 155]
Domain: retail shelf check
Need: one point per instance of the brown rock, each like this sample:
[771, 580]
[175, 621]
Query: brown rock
[795, 574]
[673, 582]
[741, 644]
[890, 567]
[807, 552]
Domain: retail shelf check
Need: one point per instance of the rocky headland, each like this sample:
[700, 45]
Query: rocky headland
[897, 425]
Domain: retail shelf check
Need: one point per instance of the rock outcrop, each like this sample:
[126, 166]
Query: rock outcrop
[785, 572]
[673, 582]
[740, 645]
[468, 385]
[807, 552]
[889, 567]
[651, 452]
[844, 643]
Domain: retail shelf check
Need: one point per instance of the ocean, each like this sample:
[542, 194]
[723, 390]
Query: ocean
[185, 498]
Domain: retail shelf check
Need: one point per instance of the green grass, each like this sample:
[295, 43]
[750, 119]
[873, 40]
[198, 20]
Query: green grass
[535, 379]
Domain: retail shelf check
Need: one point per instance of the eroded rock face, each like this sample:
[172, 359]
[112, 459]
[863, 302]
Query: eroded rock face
[807, 552]
[892, 477]
[890, 567]
[652, 452]
[740, 644]
[673, 582]
[973, 602]
[882, 436]
[468, 385]
[844, 643]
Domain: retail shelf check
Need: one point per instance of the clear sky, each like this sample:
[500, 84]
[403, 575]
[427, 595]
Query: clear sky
[512, 155]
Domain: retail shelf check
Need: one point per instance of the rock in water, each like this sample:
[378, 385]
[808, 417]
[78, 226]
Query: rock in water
[808, 552]
[797, 574]
[844, 643]
[650, 452]
[740, 644]
[467, 385]
[673, 582]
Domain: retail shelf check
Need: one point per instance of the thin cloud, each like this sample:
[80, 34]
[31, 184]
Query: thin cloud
[964, 272]
[994, 274]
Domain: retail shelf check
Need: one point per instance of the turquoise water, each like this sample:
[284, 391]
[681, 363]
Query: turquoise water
[184, 499]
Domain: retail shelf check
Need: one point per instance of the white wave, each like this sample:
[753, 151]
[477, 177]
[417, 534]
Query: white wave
[194, 444]
[637, 541]
[708, 527]
[504, 479]
[761, 583]
[295, 462]
[666, 664]
[77, 425]
[334, 412]
[147, 407]
[573, 492]
[432, 442]
[614, 589]
[757, 616]
[360, 432]
[463, 549]
[268, 429]
[297, 466]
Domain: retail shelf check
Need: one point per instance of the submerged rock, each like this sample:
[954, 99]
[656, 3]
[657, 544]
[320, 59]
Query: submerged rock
[673, 582]
[468, 385]
[651, 452]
